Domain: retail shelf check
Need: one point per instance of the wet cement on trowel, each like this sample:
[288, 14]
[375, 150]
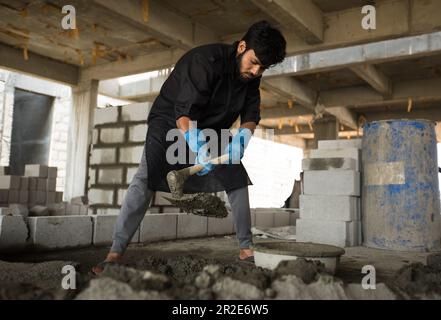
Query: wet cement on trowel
[203, 204]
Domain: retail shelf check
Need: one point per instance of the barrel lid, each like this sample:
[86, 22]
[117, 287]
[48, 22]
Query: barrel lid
[431, 122]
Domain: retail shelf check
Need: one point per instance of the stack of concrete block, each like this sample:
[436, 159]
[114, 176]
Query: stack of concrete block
[330, 211]
[118, 142]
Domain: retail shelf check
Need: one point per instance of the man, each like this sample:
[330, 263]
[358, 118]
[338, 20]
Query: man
[213, 85]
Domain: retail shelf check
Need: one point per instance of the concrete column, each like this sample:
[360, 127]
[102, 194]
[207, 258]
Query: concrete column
[84, 102]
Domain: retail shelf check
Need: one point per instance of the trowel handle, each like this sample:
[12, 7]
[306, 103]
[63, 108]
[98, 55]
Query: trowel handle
[199, 167]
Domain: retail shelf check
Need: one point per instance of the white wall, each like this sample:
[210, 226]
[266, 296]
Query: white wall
[272, 168]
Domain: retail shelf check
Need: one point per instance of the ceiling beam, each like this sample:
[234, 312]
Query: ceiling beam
[37, 65]
[291, 89]
[159, 22]
[301, 17]
[371, 53]
[284, 112]
[375, 78]
[432, 114]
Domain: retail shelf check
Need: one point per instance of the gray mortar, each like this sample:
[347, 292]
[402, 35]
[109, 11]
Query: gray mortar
[326, 163]
[202, 204]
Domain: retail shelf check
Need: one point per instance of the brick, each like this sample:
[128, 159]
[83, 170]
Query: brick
[264, 218]
[100, 196]
[58, 197]
[130, 154]
[103, 156]
[13, 233]
[337, 233]
[19, 210]
[39, 211]
[190, 226]
[50, 197]
[159, 199]
[4, 171]
[42, 184]
[156, 227]
[121, 195]
[105, 115]
[24, 183]
[52, 172]
[342, 182]
[36, 170]
[322, 207]
[13, 196]
[130, 174]
[329, 164]
[33, 183]
[61, 232]
[110, 176]
[112, 135]
[224, 226]
[10, 182]
[281, 219]
[353, 153]
[51, 185]
[340, 144]
[135, 112]
[103, 226]
[137, 133]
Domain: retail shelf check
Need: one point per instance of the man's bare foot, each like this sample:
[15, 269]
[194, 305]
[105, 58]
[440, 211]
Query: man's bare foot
[245, 253]
[112, 257]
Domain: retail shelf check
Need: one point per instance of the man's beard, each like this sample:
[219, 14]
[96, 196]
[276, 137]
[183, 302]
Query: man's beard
[242, 76]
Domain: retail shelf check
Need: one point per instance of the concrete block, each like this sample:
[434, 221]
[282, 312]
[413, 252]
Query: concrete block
[340, 144]
[84, 209]
[14, 196]
[352, 153]
[51, 185]
[325, 207]
[342, 182]
[5, 211]
[110, 176]
[36, 170]
[293, 216]
[159, 199]
[50, 197]
[24, 183]
[130, 174]
[19, 210]
[39, 211]
[112, 135]
[121, 195]
[264, 218]
[100, 196]
[218, 227]
[42, 184]
[13, 233]
[137, 133]
[310, 164]
[157, 227]
[79, 200]
[107, 211]
[130, 154]
[103, 226]
[58, 197]
[57, 209]
[52, 172]
[61, 232]
[10, 182]
[33, 183]
[337, 233]
[105, 115]
[4, 171]
[135, 112]
[190, 226]
[103, 156]
[281, 219]
[72, 209]
[4, 196]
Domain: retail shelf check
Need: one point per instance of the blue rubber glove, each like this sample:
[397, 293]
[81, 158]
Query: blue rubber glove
[196, 141]
[236, 148]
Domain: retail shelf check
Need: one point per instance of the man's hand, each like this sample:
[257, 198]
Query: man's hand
[197, 143]
[236, 148]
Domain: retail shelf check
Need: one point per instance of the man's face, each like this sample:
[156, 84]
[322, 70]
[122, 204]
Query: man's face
[248, 64]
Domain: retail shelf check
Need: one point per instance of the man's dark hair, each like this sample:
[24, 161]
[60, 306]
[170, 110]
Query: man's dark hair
[267, 42]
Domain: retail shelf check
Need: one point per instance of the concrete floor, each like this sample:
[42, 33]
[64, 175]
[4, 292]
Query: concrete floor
[225, 249]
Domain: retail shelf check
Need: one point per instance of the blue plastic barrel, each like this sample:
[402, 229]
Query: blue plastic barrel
[400, 200]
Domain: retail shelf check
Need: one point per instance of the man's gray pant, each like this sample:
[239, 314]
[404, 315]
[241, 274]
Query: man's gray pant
[137, 200]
